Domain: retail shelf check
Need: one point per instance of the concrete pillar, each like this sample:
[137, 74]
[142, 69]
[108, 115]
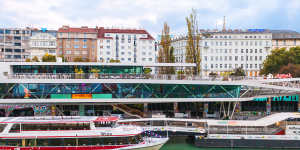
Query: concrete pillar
[145, 109]
[205, 110]
[268, 105]
[81, 110]
[175, 106]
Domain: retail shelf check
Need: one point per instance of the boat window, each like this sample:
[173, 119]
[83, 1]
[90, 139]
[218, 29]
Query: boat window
[88, 141]
[105, 124]
[15, 128]
[57, 126]
[2, 127]
[11, 142]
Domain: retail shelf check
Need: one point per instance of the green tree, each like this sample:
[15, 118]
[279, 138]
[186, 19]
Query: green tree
[166, 51]
[280, 58]
[238, 72]
[193, 44]
[35, 59]
[48, 58]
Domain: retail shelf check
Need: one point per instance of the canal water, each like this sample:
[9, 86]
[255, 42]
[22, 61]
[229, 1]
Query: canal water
[182, 143]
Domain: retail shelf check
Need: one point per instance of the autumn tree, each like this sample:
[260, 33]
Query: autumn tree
[35, 59]
[192, 54]
[49, 58]
[166, 51]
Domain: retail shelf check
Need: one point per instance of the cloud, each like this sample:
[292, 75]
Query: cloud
[150, 14]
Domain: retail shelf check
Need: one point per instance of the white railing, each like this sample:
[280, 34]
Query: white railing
[125, 76]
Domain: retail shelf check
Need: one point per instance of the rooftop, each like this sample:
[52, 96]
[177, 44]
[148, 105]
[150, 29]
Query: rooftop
[102, 31]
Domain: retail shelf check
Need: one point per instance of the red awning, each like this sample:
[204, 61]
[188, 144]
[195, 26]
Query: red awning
[107, 119]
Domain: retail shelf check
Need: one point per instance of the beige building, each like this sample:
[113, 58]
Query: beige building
[77, 43]
[42, 42]
[285, 39]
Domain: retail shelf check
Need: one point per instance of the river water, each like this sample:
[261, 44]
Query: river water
[181, 143]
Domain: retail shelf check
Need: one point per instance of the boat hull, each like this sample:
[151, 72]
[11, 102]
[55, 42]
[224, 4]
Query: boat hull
[248, 143]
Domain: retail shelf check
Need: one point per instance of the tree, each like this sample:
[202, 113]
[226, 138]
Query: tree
[166, 51]
[27, 60]
[35, 59]
[274, 61]
[78, 59]
[48, 58]
[293, 69]
[193, 44]
[238, 72]
[114, 61]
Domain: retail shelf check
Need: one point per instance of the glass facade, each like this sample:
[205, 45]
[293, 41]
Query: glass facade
[116, 90]
[72, 69]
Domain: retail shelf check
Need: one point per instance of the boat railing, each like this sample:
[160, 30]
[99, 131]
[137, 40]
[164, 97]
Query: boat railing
[126, 76]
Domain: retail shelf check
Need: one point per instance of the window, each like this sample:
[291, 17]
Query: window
[143, 53]
[17, 44]
[144, 59]
[122, 59]
[129, 53]
[242, 50]
[230, 58]
[122, 47]
[236, 58]
[255, 50]
[107, 41]
[77, 52]
[76, 46]
[129, 59]
[260, 50]
[260, 57]
[122, 53]
[108, 47]
[84, 46]
[150, 59]
[242, 58]
[150, 53]
[211, 58]
[107, 53]
[212, 66]
[68, 52]
[205, 58]
[76, 40]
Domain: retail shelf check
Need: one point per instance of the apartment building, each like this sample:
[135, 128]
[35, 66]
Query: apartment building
[75, 42]
[14, 44]
[126, 45]
[285, 39]
[42, 42]
[224, 51]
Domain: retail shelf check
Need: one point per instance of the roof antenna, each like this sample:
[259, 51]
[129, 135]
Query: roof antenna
[224, 24]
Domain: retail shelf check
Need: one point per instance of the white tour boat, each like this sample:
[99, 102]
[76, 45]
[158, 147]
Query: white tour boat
[73, 133]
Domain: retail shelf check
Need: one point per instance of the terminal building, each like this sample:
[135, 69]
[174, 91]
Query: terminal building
[70, 88]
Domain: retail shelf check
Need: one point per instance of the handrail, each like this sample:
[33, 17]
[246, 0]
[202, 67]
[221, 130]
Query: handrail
[126, 76]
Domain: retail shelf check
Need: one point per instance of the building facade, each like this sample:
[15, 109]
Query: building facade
[224, 51]
[14, 44]
[285, 39]
[125, 45]
[75, 43]
[42, 42]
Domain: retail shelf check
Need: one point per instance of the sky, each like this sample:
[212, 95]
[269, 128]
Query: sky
[151, 14]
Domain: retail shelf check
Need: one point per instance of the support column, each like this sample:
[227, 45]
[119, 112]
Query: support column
[53, 110]
[175, 106]
[205, 110]
[81, 110]
[145, 109]
[269, 105]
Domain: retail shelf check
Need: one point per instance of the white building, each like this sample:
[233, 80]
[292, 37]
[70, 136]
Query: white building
[224, 51]
[42, 42]
[126, 45]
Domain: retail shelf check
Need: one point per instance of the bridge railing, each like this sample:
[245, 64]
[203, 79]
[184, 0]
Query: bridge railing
[125, 76]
